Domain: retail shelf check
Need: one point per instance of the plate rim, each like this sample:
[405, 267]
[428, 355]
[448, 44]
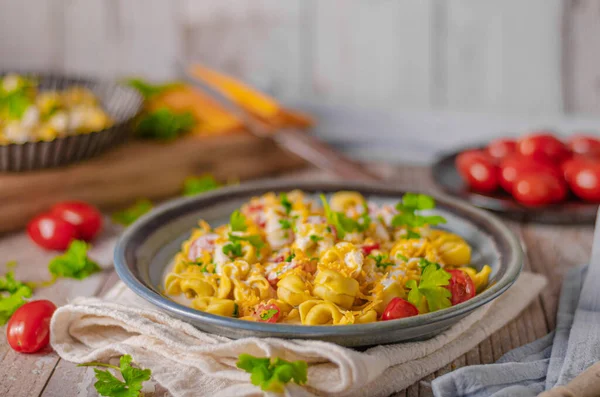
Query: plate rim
[514, 267]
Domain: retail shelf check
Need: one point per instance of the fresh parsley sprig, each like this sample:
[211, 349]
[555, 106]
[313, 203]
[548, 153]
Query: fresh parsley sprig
[195, 185]
[272, 374]
[380, 260]
[237, 222]
[74, 263]
[342, 223]
[132, 213]
[285, 203]
[12, 295]
[409, 217]
[164, 124]
[150, 90]
[110, 386]
[430, 287]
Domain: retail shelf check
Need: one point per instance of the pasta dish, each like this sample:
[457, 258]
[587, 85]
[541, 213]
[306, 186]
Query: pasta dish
[288, 258]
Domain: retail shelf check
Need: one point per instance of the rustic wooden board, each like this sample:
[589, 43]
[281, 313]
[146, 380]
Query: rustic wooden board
[551, 251]
[139, 169]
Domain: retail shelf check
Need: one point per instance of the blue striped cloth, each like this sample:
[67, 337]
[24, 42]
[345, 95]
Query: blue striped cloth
[550, 361]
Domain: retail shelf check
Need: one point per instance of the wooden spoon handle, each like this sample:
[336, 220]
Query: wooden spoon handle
[322, 155]
[586, 384]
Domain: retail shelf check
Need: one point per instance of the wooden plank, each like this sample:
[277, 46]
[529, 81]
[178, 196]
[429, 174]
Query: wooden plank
[581, 58]
[551, 251]
[139, 169]
[375, 52]
[486, 43]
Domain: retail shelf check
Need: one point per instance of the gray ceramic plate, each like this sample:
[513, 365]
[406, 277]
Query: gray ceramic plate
[146, 248]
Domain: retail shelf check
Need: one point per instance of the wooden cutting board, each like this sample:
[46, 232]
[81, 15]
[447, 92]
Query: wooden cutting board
[139, 169]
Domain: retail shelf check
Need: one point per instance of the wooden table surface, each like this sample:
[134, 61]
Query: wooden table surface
[550, 250]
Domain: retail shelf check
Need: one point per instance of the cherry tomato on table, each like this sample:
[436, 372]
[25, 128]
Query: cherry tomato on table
[584, 144]
[51, 232]
[461, 286]
[543, 146]
[399, 308]
[267, 313]
[85, 217]
[516, 165]
[28, 330]
[500, 148]
[584, 179]
[477, 168]
[537, 189]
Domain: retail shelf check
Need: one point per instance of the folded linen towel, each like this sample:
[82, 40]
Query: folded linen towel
[550, 361]
[188, 362]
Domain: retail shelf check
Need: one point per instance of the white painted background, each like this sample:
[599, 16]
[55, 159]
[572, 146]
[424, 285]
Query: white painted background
[515, 57]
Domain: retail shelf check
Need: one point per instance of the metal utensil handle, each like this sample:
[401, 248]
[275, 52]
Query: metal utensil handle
[322, 155]
[586, 384]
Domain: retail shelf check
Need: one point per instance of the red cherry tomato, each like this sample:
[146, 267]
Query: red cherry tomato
[584, 180]
[85, 217]
[28, 330]
[500, 148]
[399, 308]
[51, 232]
[461, 286]
[267, 313]
[584, 144]
[543, 146]
[516, 165]
[537, 189]
[477, 168]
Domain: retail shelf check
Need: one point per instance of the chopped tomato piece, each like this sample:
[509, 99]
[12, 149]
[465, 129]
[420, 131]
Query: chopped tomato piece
[367, 249]
[399, 308]
[461, 286]
[267, 313]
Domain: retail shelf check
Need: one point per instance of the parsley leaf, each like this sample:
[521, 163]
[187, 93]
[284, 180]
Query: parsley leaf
[272, 375]
[163, 124]
[74, 263]
[131, 214]
[431, 286]
[268, 314]
[342, 223]
[315, 239]
[9, 304]
[254, 239]
[149, 90]
[285, 202]
[108, 385]
[379, 261]
[196, 185]
[233, 250]
[237, 221]
[285, 224]
[203, 266]
[236, 310]
[290, 257]
[408, 216]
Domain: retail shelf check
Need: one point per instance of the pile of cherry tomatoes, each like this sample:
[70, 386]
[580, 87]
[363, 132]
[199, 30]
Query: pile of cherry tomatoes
[538, 169]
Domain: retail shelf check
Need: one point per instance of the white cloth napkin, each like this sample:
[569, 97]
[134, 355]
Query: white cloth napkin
[188, 362]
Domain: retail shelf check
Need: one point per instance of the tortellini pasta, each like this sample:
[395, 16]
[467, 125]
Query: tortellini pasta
[282, 258]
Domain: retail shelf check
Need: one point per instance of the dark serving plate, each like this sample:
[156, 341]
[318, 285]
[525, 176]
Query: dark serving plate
[148, 246]
[572, 211]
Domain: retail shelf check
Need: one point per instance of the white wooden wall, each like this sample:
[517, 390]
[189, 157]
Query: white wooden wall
[510, 56]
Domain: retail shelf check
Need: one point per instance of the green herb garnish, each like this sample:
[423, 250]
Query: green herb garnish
[431, 286]
[236, 310]
[315, 239]
[285, 224]
[12, 294]
[149, 90]
[272, 375]
[131, 214]
[342, 223]
[196, 185]
[108, 385]
[285, 202]
[290, 257]
[268, 314]
[408, 207]
[380, 261]
[74, 263]
[163, 124]
[237, 222]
